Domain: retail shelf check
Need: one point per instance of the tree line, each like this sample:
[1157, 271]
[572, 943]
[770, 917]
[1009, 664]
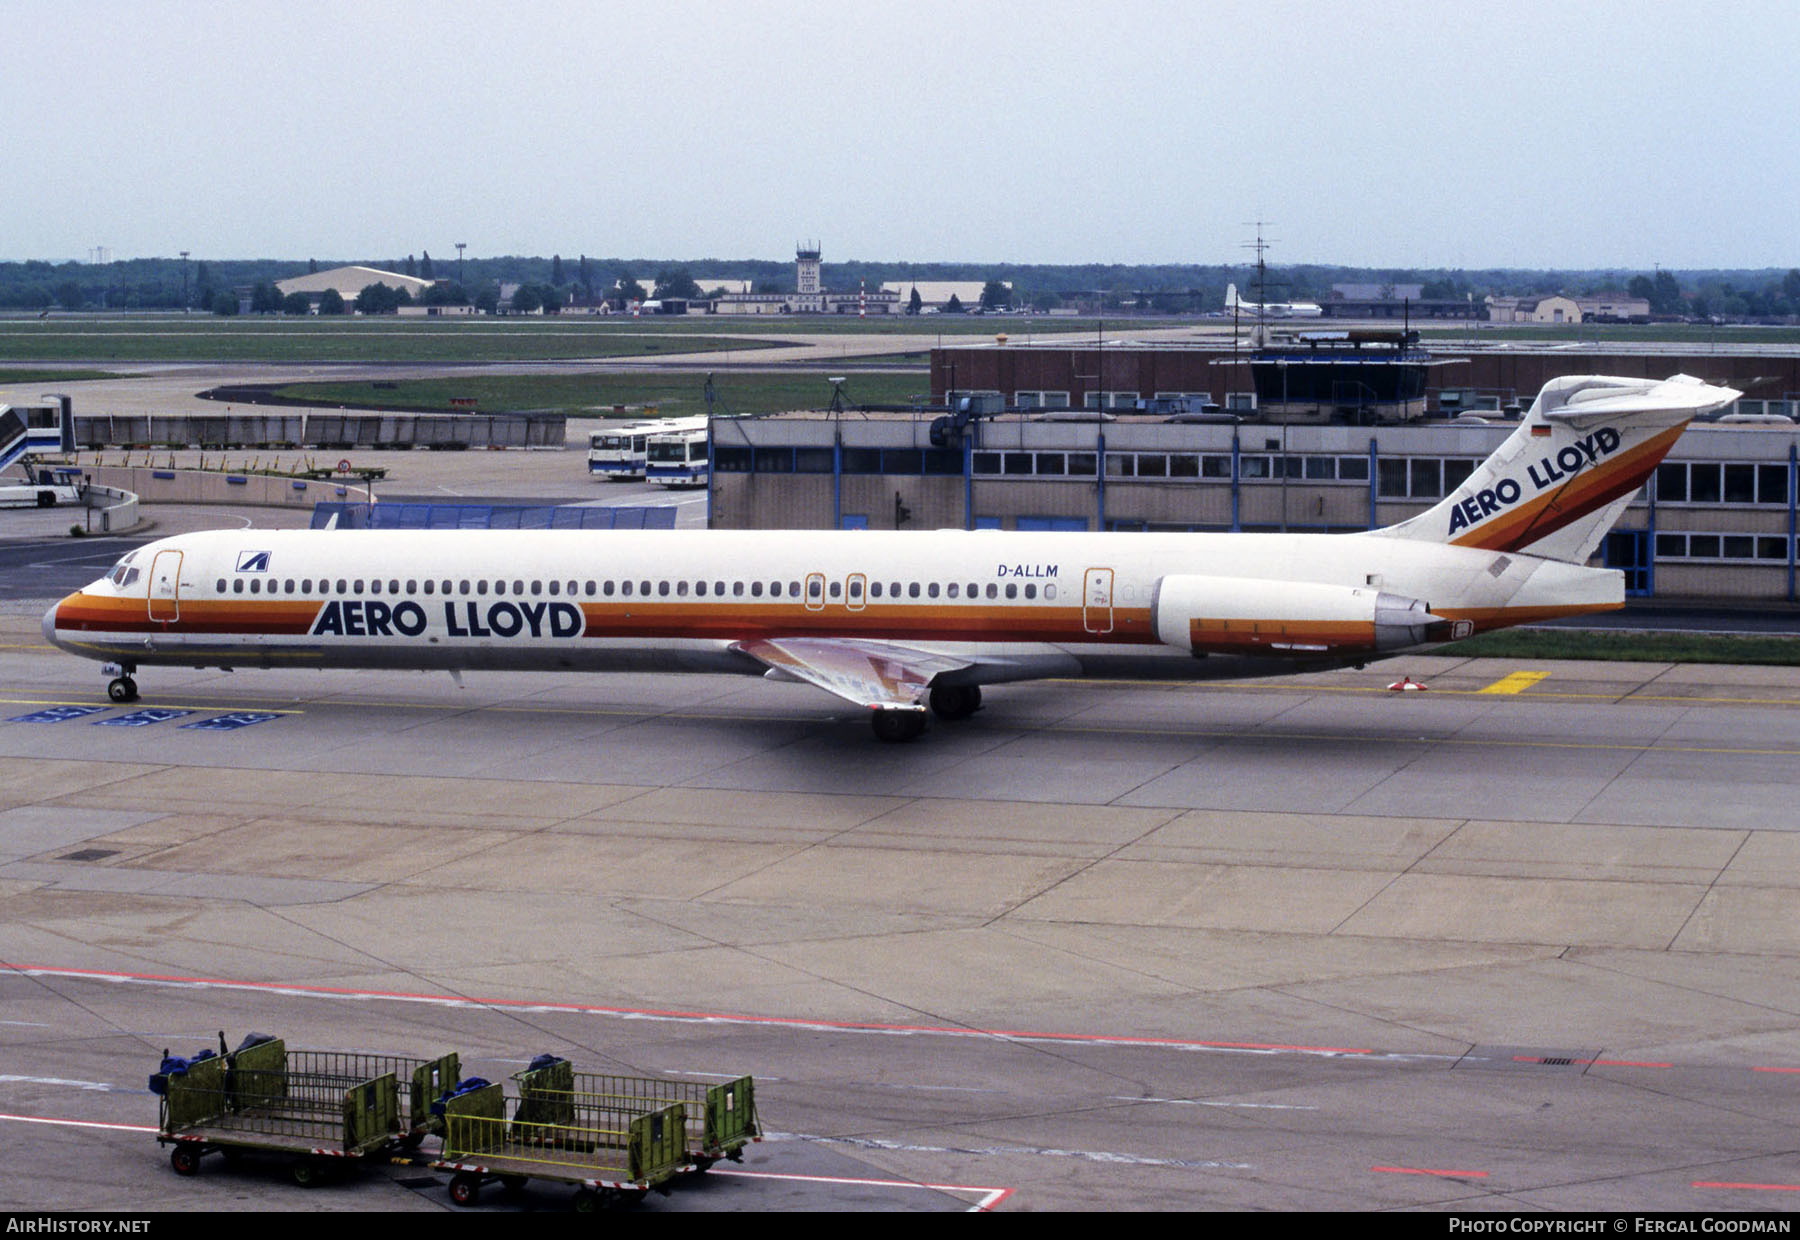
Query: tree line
[552, 283]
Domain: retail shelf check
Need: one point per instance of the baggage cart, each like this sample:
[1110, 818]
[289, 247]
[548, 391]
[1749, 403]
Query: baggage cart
[721, 1119]
[315, 1106]
[611, 1154]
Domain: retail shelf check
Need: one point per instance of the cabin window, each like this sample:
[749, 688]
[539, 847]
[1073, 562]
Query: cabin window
[624, 588]
[756, 589]
[221, 585]
[237, 586]
[644, 588]
[465, 587]
[375, 586]
[1030, 592]
[856, 589]
[606, 587]
[1012, 591]
[556, 588]
[662, 589]
[812, 588]
[699, 589]
[974, 590]
[719, 588]
[931, 591]
[343, 586]
[287, 587]
[793, 589]
[592, 586]
[737, 589]
[1049, 592]
[680, 588]
[894, 590]
[954, 588]
[306, 586]
[836, 589]
[481, 586]
[430, 585]
[912, 590]
[255, 586]
[874, 589]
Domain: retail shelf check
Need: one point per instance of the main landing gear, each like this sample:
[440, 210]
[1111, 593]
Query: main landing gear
[122, 688]
[948, 702]
[955, 701]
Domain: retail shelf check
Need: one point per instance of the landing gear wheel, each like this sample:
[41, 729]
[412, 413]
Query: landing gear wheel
[185, 1159]
[955, 701]
[898, 725]
[122, 689]
[465, 1188]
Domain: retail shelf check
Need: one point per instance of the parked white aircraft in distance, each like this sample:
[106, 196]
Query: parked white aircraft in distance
[896, 622]
[1271, 309]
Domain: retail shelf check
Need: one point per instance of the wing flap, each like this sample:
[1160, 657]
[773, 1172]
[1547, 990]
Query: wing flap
[874, 675]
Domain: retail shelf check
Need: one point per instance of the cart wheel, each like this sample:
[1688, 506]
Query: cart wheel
[465, 1188]
[631, 1198]
[185, 1159]
[513, 1184]
[306, 1174]
[587, 1201]
[703, 1164]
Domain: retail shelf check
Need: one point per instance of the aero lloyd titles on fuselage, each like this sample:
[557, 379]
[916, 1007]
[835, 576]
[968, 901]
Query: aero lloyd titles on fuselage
[376, 618]
[1540, 475]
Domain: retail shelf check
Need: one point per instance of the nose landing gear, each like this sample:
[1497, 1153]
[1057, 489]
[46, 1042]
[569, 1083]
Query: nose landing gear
[122, 688]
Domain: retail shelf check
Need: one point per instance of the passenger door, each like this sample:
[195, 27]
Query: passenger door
[165, 586]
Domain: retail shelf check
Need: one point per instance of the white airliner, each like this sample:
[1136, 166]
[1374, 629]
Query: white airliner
[1271, 309]
[899, 622]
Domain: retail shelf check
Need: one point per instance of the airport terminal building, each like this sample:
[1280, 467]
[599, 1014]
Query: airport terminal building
[1717, 521]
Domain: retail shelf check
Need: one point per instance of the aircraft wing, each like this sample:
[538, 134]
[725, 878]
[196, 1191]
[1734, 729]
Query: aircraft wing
[877, 675]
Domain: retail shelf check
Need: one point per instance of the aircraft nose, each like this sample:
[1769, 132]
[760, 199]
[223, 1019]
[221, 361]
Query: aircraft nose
[50, 623]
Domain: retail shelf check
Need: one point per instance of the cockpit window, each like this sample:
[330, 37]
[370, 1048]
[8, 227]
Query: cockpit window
[123, 574]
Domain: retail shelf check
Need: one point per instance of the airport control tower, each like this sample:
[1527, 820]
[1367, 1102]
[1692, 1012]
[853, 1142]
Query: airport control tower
[809, 294]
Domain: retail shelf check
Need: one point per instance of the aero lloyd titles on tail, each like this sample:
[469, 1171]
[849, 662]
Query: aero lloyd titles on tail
[1540, 475]
[909, 624]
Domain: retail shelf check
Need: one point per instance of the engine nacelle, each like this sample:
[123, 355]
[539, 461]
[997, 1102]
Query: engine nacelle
[1238, 615]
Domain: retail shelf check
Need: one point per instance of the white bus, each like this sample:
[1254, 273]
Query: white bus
[619, 450]
[677, 457]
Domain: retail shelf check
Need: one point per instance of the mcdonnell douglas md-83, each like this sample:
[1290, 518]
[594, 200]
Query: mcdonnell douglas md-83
[903, 622]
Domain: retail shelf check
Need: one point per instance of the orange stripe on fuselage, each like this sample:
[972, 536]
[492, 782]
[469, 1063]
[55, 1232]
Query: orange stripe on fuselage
[95, 613]
[1239, 635]
[1582, 494]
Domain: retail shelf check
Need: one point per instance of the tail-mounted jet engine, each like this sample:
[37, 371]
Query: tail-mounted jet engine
[1235, 615]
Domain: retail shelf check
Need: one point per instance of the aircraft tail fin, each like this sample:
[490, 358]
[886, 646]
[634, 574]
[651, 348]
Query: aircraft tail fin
[1231, 297]
[1557, 485]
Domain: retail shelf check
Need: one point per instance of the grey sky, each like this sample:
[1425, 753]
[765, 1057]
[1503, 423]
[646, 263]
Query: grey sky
[1388, 134]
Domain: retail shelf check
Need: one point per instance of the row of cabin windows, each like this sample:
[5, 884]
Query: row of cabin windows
[816, 588]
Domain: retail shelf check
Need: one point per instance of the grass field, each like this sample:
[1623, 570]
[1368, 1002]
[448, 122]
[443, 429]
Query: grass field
[1639, 647]
[592, 395]
[31, 375]
[172, 338]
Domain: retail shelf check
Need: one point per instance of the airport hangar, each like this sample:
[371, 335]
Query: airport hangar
[1718, 521]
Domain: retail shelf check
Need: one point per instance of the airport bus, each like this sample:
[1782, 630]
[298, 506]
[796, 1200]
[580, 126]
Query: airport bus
[619, 451]
[677, 458]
